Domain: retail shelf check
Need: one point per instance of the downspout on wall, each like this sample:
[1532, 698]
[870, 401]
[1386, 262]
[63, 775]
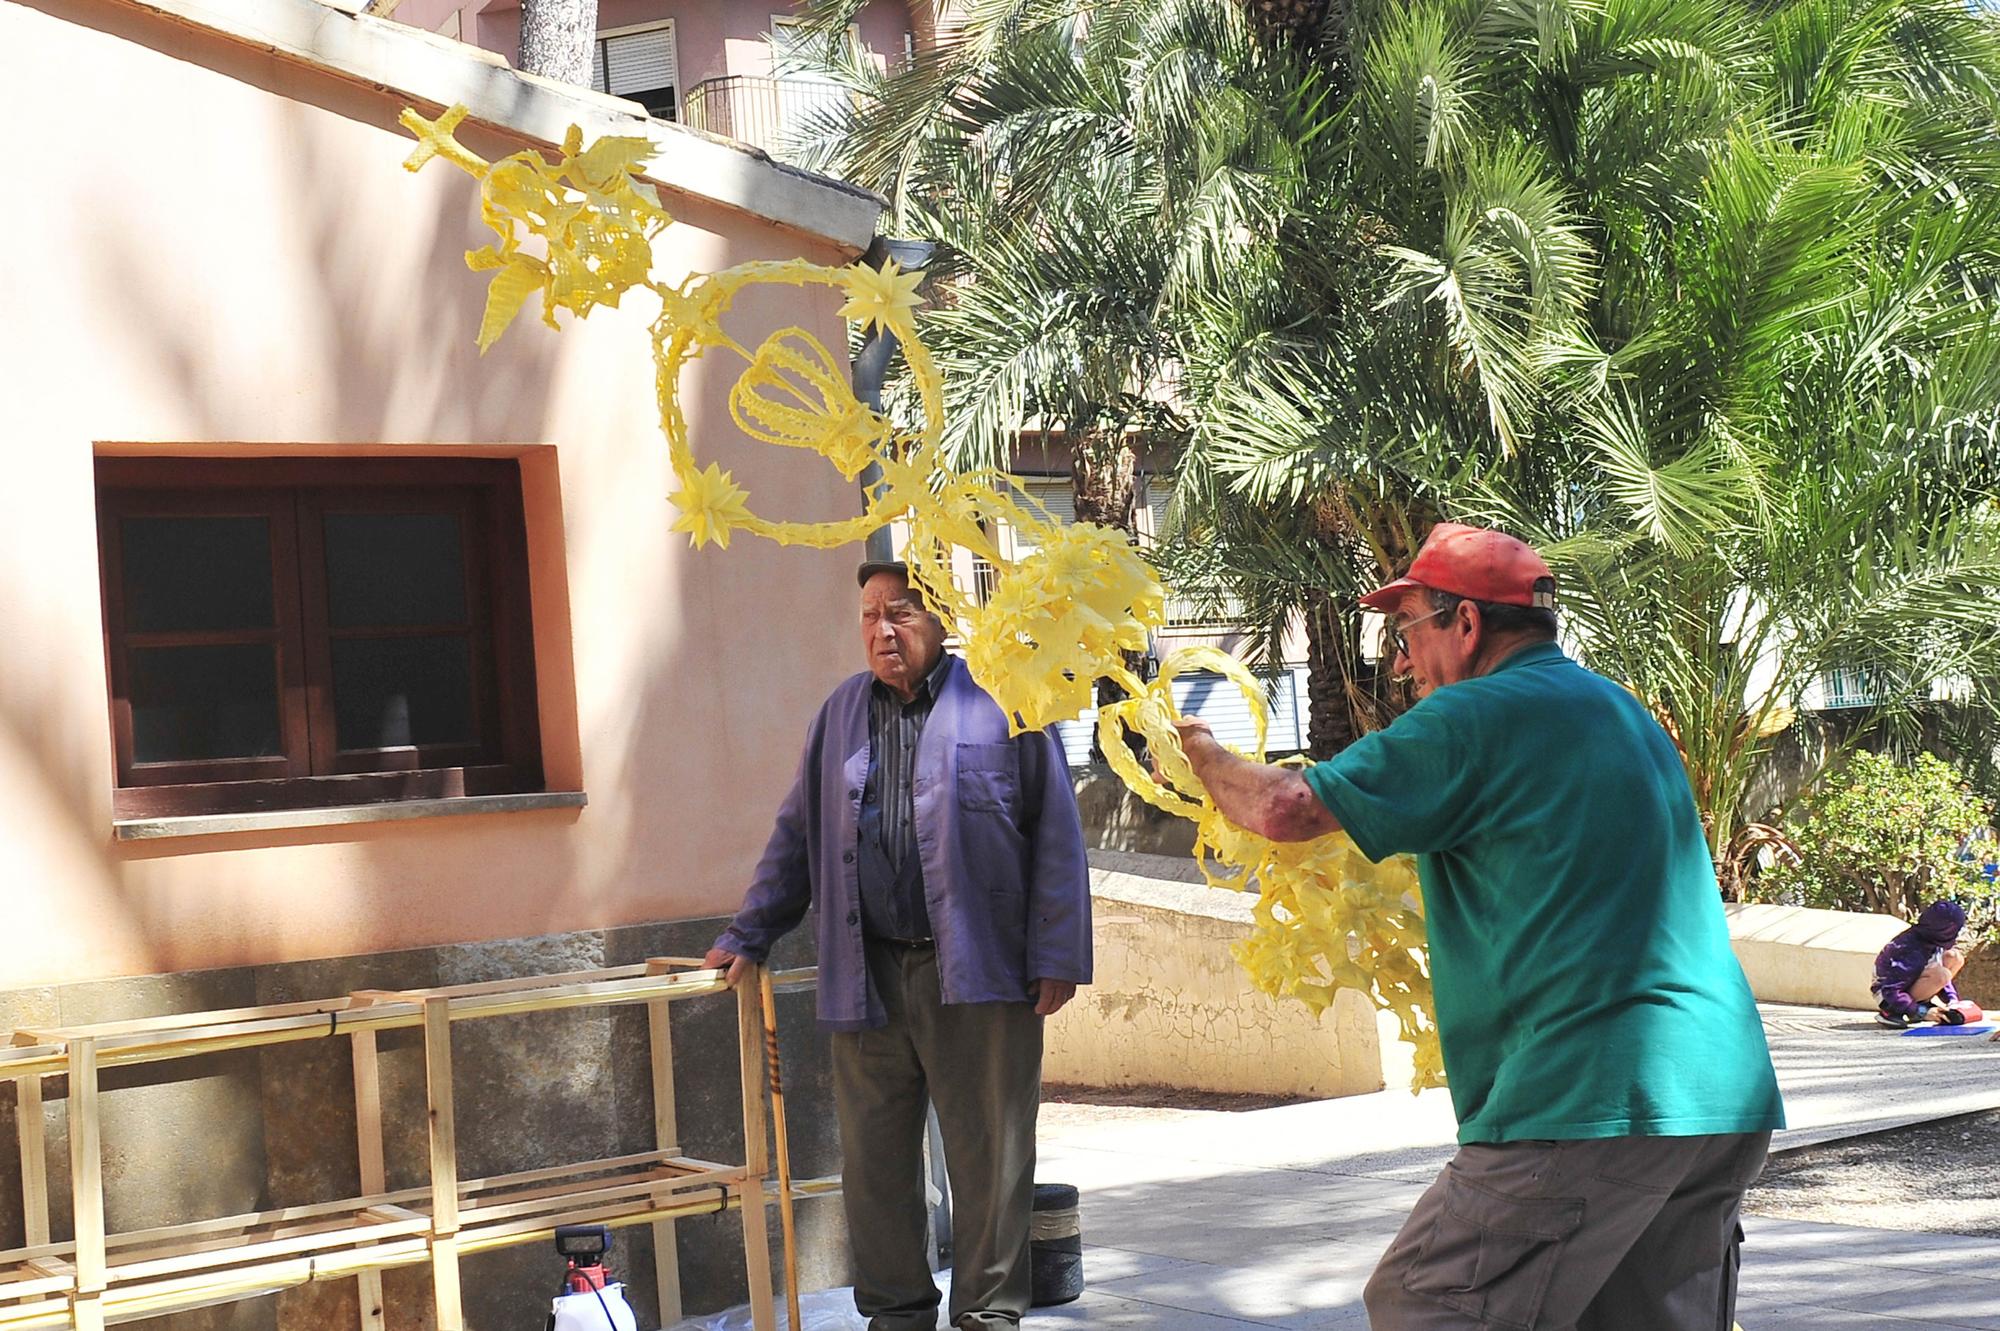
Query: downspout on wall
[871, 367]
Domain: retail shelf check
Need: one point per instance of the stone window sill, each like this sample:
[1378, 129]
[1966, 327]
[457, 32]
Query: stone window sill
[273, 820]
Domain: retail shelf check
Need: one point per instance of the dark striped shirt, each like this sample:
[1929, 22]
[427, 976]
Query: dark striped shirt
[894, 727]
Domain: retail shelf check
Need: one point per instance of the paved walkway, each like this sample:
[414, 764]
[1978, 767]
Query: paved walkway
[1274, 1218]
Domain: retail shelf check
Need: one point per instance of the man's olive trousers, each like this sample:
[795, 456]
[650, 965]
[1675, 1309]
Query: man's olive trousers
[1609, 1234]
[981, 1064]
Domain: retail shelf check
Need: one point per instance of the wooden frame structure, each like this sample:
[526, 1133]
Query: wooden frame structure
[99, 1278]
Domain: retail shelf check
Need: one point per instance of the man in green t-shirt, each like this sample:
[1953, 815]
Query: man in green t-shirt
[1613, 1089]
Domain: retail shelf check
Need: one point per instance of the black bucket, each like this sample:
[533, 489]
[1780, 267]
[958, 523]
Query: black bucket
[1055, 1246]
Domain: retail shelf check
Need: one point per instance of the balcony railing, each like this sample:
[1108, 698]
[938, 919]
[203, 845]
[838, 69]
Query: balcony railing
[1855, 687]
[767, 113]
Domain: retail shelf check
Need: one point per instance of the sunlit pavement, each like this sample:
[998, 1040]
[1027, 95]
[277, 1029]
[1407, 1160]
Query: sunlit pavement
[1275, 1217]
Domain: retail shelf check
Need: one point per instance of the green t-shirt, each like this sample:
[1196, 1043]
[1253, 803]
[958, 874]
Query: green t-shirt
[1579, 954]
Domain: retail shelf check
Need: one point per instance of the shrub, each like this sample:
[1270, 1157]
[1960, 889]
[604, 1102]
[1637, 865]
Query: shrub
[1882, 835]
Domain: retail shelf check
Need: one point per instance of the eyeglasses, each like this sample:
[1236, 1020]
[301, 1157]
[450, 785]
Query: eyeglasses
[1396, 631]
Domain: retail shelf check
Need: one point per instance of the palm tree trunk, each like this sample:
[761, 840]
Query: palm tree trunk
[1348, 695]
[556, 37]
[1104, 488]
[1104, 480]
[1330, 722]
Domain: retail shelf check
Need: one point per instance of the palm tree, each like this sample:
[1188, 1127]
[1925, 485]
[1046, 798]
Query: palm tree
[1698, 292]
[1090, 172]
[1084, 168]
[1773, 454]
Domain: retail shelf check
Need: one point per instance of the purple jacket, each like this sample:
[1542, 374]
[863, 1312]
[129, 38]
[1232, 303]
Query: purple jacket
[998, 833]
[1898, 965]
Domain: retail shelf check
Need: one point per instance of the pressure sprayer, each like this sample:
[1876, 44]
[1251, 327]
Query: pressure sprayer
[590, 1300]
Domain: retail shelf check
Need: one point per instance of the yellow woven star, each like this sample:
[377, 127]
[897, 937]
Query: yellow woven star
[711, 506]
[887, 296]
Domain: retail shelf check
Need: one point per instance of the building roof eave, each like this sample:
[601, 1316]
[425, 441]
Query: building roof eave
[435, 70]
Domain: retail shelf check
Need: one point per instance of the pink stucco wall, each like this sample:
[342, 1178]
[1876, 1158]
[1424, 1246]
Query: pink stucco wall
[245, 268]
[713, 37]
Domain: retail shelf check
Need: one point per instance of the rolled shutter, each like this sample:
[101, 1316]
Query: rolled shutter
[1054, 494]
[636, 62]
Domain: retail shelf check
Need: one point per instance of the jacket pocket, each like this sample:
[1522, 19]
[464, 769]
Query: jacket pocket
[1491, 1256]
[989, 777]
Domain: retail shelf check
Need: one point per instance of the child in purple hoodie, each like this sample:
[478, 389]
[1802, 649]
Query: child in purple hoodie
[1914, 973]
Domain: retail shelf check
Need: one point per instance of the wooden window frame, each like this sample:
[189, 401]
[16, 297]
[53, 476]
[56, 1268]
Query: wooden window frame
[294, 495]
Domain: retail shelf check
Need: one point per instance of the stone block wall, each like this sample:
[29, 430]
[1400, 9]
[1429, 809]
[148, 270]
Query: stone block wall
[1171, 1006]
[258, 1129]
[1794, 954]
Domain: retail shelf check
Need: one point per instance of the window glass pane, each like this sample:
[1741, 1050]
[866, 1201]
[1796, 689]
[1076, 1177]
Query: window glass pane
[191, 703]
[391, 692]
[188, 573]
[387, 569]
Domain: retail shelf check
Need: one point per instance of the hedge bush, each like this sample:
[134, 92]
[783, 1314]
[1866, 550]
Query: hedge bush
[1879, 834]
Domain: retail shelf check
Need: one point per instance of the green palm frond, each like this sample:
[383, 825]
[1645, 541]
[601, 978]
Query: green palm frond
[1416, 95]
[1508, 282]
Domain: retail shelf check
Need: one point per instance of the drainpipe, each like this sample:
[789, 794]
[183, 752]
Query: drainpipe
[871, 366]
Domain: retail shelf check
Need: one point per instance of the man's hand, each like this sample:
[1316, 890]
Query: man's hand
[734, 968]
[1196, 738]
[1271, 801]
[1050, 995]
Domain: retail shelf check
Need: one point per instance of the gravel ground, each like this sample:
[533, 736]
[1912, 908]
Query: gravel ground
[1936, 1178]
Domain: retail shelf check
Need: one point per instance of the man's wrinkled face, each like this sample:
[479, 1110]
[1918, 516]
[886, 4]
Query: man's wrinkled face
[903, 640]
[1441, 647]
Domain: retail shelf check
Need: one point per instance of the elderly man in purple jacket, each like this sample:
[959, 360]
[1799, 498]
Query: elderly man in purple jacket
[946, 862]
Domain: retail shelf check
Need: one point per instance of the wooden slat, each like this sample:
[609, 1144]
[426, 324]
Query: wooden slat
[28, 1289]
[29, 1134]
[184, 1020]
[49, 1312]
[444, 1165]
[369, 1153]
[687, 1172]
[240, 1253]
[287, 1219]
[639, 1212]
[775, 1083]
[86, 1174]
[756, 1153]
[501, 1182]
[607, 993]
[187, 1042]
[517, 984]
[659, 1182]
[666, 1130]
[559, 1199]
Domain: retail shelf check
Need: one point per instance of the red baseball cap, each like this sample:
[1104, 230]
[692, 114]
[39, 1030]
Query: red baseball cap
[1477, 563]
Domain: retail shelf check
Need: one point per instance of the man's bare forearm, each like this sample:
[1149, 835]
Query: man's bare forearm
[1271, 801]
